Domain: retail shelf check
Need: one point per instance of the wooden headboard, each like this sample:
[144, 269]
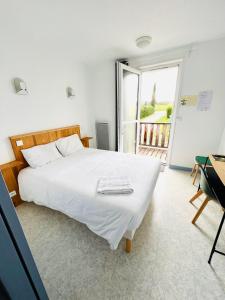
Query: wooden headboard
[11, 169]
[39, 138]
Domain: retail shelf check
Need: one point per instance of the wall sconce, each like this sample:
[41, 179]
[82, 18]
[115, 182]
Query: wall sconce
[70, 93]
[20, 86]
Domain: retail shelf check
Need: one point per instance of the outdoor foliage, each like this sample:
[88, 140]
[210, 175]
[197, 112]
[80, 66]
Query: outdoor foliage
[146, 110]
[153, 102]
[161, 106]
[169, 111]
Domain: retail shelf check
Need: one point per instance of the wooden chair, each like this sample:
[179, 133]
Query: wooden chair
[214, 188]
[199, 161]
[204, 189]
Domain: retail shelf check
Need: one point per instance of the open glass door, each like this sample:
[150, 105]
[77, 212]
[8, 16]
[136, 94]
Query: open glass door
[128, 93]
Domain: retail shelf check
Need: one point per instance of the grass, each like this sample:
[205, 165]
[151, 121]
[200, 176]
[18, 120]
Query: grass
[163, 119]
[161, 107]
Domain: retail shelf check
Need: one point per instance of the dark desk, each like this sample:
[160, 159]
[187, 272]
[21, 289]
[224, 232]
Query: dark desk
[216, 185]
[215, 178]
[219, 167]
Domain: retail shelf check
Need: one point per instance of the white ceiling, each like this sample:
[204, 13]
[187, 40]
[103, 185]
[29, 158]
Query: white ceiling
[96, 29]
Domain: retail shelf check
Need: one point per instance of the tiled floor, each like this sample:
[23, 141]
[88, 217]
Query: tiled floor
[168, 259]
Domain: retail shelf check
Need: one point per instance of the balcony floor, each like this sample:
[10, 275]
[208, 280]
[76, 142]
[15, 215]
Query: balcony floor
[160, 153]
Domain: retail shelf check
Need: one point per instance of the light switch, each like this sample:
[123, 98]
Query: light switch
[19, 143]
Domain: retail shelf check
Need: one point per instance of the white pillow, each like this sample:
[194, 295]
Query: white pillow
[38, 156]
[69, 144]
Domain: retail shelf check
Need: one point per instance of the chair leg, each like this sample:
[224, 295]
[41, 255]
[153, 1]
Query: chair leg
[198, 194]
[200, 210]
[196, 174]
[192, 172]
[128, 245]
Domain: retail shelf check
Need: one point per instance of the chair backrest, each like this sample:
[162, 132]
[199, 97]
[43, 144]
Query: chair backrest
[215, 184]
[204, 185]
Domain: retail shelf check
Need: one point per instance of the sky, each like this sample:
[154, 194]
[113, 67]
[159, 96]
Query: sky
[165, 80]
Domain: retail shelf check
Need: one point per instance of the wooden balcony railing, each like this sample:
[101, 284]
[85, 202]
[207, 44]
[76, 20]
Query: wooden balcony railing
[154, 134]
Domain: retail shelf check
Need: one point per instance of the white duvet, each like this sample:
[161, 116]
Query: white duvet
[69, 186]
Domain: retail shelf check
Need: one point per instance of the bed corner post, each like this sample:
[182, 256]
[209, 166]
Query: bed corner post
[128, 245]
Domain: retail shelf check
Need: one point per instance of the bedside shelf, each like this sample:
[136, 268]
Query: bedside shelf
[85, 141]
[10, 172]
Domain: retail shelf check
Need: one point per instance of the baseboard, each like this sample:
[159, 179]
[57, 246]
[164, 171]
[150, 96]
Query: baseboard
[180, 168]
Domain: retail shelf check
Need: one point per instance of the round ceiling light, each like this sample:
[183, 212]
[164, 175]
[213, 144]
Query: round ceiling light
[143, 41]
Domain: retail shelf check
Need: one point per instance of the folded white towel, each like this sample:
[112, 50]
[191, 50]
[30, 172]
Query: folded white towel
[114, 185]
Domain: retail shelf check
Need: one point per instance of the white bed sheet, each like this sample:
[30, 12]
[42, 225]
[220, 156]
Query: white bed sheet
[69, 186]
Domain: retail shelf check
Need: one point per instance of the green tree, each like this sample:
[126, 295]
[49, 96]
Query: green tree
[146, 110]
[169, 111]
[153, 102]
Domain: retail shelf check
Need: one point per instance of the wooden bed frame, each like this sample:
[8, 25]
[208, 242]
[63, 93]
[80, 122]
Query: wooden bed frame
[39, 138]
[23, 141]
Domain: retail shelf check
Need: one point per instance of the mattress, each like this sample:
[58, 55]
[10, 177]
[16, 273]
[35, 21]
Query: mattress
[69, 185]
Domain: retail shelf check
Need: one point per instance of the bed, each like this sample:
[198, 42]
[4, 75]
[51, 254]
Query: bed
[69, 185]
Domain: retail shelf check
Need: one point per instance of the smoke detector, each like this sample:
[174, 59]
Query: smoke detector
[143, 41]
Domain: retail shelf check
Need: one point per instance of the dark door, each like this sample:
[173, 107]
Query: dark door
[19, 277]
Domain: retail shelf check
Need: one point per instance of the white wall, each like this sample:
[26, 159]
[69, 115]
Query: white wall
[47, 75]
[221, 149]
[200, 132]
[102, 96]
[196, 132]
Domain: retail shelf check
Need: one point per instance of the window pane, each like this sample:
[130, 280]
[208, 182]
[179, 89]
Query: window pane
[130, 95]
[129, 137]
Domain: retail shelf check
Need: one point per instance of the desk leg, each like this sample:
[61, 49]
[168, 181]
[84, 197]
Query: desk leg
[216, 239]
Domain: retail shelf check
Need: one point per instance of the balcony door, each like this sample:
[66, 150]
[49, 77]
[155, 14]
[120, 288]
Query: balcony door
[128, 94]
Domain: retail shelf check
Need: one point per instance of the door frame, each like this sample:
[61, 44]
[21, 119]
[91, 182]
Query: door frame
[20, 245]
[120, 67]
[175, 115]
